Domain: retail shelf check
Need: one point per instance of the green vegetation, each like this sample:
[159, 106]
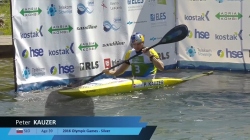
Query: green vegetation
[5, 19]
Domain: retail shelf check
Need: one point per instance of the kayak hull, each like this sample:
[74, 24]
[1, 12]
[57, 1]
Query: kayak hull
[119, 85]
[109, 86]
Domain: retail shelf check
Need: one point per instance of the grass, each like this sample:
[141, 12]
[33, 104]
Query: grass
[5, 10]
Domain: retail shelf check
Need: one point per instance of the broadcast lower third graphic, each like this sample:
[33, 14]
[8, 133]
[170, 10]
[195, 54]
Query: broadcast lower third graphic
[19, 131]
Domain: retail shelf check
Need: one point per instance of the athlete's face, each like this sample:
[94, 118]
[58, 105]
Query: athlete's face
[138, 46]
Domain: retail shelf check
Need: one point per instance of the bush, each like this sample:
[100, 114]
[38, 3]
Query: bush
[5, 18]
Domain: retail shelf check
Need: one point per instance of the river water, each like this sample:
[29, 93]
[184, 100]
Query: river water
[215, 107]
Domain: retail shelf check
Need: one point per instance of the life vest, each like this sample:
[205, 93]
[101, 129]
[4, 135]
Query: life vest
[141, 65]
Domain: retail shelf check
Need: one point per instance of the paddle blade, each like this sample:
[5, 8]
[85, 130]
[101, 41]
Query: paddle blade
[176, 34]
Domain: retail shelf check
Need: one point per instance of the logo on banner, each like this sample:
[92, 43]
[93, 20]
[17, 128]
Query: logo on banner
[199, 34]
[26, 73]
[221, 1]
[220, 53]
[115, 5]
[32, 11]
[89, 65]
[88, 46]
[202, 17]
[51, 10]
[33, 34]
[60, 29]
[135, 22]
[108, 63]
[63, 9]
[158, 16]
[115, 43]
[32, 53]
[230, 54]
[155, 38]
[229, 15]
[67, 50]
[197, 0]
[103, 5]
[164, 2]
[153, 2]
[234, 36]
[191, 51]
[38, 71]
[107, 26]
[87, 27]
[135, 4]
[62, 69]
[164, 55]
[82, 9]
[158, 19]
[34, 72]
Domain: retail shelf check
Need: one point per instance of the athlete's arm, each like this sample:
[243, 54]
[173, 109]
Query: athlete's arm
[121, 69]
[154, 57]
[117, 72]
[157, 62]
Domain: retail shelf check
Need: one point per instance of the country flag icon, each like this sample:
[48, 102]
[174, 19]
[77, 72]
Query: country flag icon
[19, 131]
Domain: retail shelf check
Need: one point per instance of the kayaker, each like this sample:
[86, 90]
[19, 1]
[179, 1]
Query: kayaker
[142, 66]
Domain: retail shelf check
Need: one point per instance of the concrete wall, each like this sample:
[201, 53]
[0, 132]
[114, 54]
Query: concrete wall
[6, 48]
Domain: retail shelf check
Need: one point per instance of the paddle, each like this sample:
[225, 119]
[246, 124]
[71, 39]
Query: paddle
[176, 34]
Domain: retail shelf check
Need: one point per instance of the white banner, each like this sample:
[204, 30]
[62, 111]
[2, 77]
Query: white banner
[246, 32]
[55, 39]
[215, 37]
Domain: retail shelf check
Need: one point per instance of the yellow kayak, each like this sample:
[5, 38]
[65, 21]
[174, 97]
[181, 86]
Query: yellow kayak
[109, 86]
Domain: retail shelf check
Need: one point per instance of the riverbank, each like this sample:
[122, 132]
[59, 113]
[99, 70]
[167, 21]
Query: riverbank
[6, 47]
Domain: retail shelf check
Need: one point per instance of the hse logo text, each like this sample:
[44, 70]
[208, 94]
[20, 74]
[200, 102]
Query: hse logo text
[230, 53]
[32, 53]
[62, 69]
[199, 34]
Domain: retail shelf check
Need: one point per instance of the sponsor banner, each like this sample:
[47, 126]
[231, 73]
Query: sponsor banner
[55, 40]
[215, 32]
[245, 24]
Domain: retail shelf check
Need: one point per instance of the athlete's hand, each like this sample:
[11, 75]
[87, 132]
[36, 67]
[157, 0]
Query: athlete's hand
[146, 52]
[107, 72]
